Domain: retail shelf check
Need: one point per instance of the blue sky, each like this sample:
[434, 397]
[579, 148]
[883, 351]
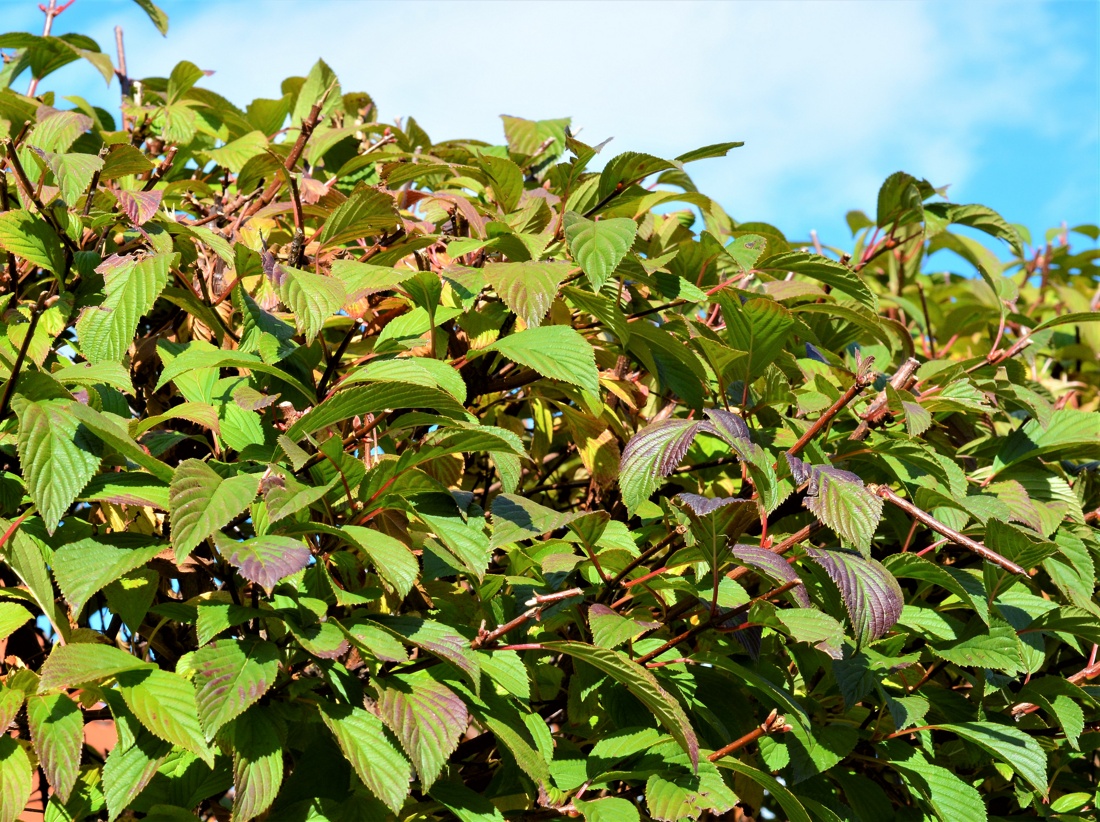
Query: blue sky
[999, 99]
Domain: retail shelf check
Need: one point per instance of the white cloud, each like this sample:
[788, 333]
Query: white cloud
[829, 97]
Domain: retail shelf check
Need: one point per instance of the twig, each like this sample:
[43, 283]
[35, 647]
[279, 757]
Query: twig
[162, 169]
[537, 604]
[776, 723]
[902, 380]
[946, 531]
[927, 323]
[26, 190]
[643, 557]
[716, 622]
[9, 387]
[334, 361]
[13, 268]
[308, 125]
[52, 11]
[861, 382]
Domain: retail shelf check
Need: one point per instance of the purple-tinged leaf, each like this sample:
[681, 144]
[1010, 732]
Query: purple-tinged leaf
[728, 426]
[799, 469]
[231, 675]
[871, 595]
[139, 206]
[774, 566]
[653, 453]
[266, 560]
[427, 717]
[78, 663]
[57, 730]
[642, 684]
[438, 639]
[362, 737]
[701, 506]
[610, 629]
[839, 500]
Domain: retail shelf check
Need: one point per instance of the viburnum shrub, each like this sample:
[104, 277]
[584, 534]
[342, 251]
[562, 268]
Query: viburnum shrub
[355, 475]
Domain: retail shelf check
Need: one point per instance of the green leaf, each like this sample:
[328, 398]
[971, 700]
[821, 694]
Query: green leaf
[707, 152]
[465, 804]
[607, 809]
[427, 717]
[124, 161]
[376, 761]
[57, 454]
[233, 155]
[516, 518]
[74, 173]
[506, 178]
[265, 560]
[1070, 431]
[824, 270]
[132, 285]
[85, 567]
[599, 245]
[164, 703]
[787, 801]
[609, 629]
[1012, 746]
[12, 617]
[465, 538]
[104, 373]
[367, 211]
[230, 675]
[393, 561]
[311, 298]
[653, 453]
[1070, 318]
[950, 798]
[528, 288]
[57, 730]
[201, 503]
[760, 328]
[156, 14]
[980, 217]
[128, 770]
[361, 400]
[629, 168]
[257, 763]
[15, 779]
[555, 351]
[200, 355]
[76, 664]
[998, 650]
[437, 639]
[31, 238]
[642, 684]
[115, 436]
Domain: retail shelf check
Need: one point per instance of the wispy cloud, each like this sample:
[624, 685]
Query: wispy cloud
[829, 97]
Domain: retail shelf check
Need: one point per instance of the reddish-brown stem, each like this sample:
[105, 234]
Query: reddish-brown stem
[162, 169]
[634, 563]
[308, 125]
[943, 530]
[903, 379]
[716, 622]
[862, 381]
[774, 724]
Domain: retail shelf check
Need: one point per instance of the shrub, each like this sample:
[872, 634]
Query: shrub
[359, 475]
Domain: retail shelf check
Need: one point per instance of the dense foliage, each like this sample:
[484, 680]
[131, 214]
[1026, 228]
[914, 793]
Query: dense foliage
[358, 475]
